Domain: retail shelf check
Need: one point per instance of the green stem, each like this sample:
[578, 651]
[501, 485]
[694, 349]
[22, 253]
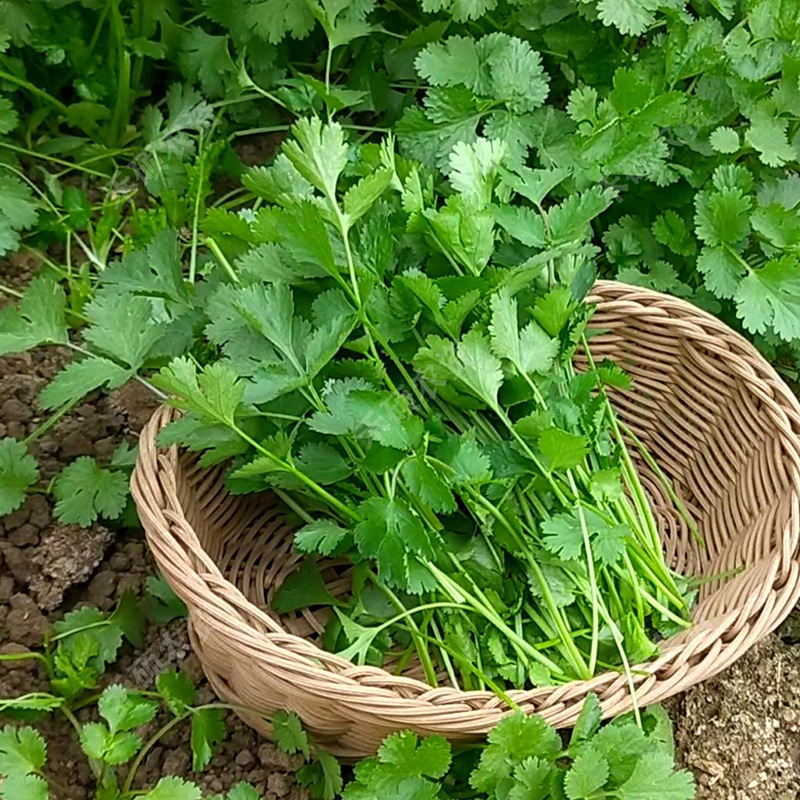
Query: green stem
[34, 90]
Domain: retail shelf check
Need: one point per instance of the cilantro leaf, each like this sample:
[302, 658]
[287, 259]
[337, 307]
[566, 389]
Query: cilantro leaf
[17, 212]
[124, 710]
[388, 534]
[215, 393]
[770, 297]
[563, 450]
[23, 751]
[39, 318]
[321, 536]
[653, 777]
[355, 409]
[81, 377]
[425, 483]
[18, 471]
[588, 774]
[24, 787]
[724, 140]
[530, 349]
[85, 491]
[513, 740]
[289, 733]
[208, 730]
[176, 690]
[171, 788]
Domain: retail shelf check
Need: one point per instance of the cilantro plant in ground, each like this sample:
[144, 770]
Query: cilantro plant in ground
[523, 757]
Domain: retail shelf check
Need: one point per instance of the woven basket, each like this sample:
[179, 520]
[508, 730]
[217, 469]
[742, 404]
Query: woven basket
[721, 425]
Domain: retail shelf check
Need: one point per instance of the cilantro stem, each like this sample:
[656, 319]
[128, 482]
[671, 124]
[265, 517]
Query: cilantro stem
[34, 90]
[220, 256]
[587, 544]
[324, 494]
[424, 656]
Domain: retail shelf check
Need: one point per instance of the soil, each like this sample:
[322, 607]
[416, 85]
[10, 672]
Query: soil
[739, 733]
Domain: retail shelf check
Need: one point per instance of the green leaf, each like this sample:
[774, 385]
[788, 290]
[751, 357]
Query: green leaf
[587, 775]
[553, 310]
[606, 484]
[161, 603]
[515, 738]
[89, 626]
[470, 465]
[18, 471]
[654, 777]
[588, 721]
[318, 152]
[274, 20]
[24, 787]
[204, 59]
[530, 350]
[35, 701]
[461, 10]
[471, 364]
[722, 270]
[474, 168]
[176, 690]
[125, 710]
[17, 212]
[85, 491]
[722, 217]
[81, 377]
[322, 463]
[322, 536]
[289, 735]
[570, 219]
[124, 327]
[243, 791]
[323, 778]
[430, 757]
[173, 789]
[154, 271]
[632, 17]
[129, 619]
[768, 136]
[725, 140]
[499, 66]
[355, 409]
[770, 297]
[301, 589]
[39, 318]
[563, 536]
[424, 482]
[23, 751]
[563, 450]
[388, 534]
[363, 195]
[208, 730]
[214, 394]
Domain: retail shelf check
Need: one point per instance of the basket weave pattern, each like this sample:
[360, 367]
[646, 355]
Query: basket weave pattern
[713, 413]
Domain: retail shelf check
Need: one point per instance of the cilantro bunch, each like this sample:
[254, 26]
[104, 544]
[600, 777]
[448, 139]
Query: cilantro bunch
[392, 355]
[524, 757]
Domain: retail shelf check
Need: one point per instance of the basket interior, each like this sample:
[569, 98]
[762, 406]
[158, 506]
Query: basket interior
[704, 425]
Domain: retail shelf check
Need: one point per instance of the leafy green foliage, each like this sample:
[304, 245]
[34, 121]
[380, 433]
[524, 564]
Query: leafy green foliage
[39, 319]
[84, 491]
[18, 472]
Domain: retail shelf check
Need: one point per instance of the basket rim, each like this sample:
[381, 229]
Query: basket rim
[698, 654]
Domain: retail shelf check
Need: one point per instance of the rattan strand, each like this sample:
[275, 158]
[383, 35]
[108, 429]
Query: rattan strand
[714, 414]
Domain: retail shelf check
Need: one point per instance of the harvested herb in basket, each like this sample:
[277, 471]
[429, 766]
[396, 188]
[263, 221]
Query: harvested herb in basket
[393, 356]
